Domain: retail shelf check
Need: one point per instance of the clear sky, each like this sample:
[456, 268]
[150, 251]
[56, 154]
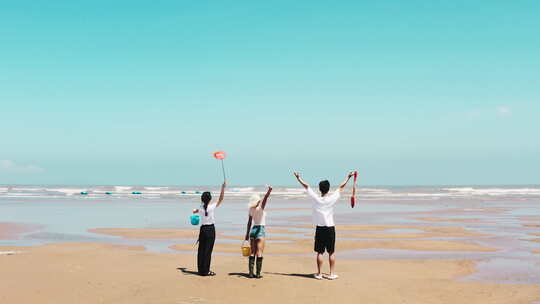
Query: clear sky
[141, 92]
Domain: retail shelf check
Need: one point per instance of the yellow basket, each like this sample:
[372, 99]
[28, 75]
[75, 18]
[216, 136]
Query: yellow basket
[246, 250]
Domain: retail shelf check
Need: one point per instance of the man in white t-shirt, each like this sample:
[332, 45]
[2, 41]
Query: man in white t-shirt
[323, 218]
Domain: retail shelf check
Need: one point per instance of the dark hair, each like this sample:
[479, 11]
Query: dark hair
[206, 197]
[324, 187]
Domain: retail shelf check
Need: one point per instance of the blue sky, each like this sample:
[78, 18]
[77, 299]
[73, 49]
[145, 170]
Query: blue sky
[138, 92]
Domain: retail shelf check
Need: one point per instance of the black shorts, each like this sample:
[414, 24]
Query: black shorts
[325, 239]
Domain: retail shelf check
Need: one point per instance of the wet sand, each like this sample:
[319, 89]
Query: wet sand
[189, 234]
[148, 233]
[97, 273]
[305, 246]
[12, 231]
[536, 240]
[352, 227]
[350, 239]
[447, 220]
[349, 232]
[425, 231]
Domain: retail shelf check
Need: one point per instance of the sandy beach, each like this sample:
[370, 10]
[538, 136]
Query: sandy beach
[97, 273]
[306, 246]
[126, 250]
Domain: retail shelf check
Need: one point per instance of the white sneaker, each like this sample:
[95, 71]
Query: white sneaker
[318, 276]
[332, 277]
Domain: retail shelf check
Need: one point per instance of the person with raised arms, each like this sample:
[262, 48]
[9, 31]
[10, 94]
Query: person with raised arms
[323, 218]
[256, 235]
[207, 233]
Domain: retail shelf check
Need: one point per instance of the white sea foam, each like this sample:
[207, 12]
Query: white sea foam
[374, 193]
[494, 191]
[243, 189]
[30, 189]
[293, 189]
[404, 195]
[156, 188]
[373, 189]
[160, 192]
[66, 191]
[122, 188]
[23, 194]
[461, 189]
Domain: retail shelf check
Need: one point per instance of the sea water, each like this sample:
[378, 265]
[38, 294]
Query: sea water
[66, 216]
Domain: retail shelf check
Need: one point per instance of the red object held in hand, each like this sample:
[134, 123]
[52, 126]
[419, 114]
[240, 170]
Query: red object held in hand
[220, 155]
[353, 197]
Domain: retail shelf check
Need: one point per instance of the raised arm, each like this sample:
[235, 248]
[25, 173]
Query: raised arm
[222, 194]
[300, 180]
[344, 183]
[266, 196]
[248, 228]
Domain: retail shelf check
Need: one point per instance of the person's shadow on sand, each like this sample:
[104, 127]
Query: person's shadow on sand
[188, 272]
[300, 275]
[239, 274]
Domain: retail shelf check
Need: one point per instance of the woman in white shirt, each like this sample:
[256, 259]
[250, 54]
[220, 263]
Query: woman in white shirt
[257, 215]
[207, 233]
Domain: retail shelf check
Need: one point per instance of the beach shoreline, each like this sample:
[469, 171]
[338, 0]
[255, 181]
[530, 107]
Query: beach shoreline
[127, 250]
[14, 231]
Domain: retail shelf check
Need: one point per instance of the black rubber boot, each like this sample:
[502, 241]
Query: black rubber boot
[251, 264]
[259, 267]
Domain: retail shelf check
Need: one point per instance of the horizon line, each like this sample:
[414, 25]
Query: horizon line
[282, 185]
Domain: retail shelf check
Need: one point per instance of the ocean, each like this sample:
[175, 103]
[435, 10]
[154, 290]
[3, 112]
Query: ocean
[503, 213]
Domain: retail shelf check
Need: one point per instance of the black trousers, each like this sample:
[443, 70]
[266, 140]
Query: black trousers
[207, 238]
